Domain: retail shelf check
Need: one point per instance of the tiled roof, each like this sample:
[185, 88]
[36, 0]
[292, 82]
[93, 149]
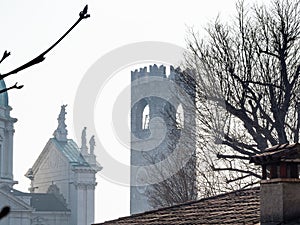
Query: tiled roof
[71, 151]
[47, 202]
[239, 207]
[41, 201]
[284, 152]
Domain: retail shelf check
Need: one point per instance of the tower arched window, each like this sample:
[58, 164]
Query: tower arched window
[146, 118]
[180, 117]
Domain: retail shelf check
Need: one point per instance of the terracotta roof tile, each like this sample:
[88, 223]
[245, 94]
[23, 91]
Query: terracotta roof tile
[284, 152]
[239, 207]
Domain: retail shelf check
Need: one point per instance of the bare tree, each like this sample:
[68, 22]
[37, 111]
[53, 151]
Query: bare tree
[247, 77]
[40, 58]
[174, 188]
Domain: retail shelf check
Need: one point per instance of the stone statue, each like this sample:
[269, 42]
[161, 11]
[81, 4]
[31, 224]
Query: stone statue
[62, 111]
[92, 144]
[62, 117]
[83, 139]
[61, 132]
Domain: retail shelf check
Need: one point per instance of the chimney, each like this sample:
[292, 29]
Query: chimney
[280, 184]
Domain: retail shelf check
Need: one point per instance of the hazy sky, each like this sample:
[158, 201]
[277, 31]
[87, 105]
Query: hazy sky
[29, 27]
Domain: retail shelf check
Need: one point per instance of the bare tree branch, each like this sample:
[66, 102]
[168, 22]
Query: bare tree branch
[5, 55]
[247, 84]
[40, 58]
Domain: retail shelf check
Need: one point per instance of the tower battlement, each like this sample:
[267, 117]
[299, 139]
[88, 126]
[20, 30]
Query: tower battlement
[157, 71]
[154, 70]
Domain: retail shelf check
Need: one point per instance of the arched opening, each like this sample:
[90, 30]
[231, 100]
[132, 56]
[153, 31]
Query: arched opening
[140, 116]
[180, 117]
[146, 117]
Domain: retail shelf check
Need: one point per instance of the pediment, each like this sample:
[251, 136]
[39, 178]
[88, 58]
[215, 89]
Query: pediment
[50, 158]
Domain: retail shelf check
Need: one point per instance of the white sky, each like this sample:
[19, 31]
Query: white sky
[29, 27]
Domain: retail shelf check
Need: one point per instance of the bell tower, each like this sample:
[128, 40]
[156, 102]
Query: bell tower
[6, 139]
[155, 127]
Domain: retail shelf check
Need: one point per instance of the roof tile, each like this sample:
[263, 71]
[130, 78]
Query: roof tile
[239, 207]
[71, 151]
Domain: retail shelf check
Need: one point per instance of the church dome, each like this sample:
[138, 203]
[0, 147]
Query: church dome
[4, 95]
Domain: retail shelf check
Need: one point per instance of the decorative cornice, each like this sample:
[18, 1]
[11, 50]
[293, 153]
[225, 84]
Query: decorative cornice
[85, 186]
[84, 170]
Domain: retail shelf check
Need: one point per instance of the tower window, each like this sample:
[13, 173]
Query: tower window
[146, 118]
[180, 117]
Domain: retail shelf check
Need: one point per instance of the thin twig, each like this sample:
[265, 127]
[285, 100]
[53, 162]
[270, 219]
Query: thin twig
[5, 55]
[12, 87]
[82, 15]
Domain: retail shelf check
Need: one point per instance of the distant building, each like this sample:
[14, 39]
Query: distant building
[156, 95]
[62, 178]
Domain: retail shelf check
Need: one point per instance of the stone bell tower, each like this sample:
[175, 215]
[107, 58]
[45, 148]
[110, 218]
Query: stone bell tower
[6, 139]
[155, 125]
[280, 184]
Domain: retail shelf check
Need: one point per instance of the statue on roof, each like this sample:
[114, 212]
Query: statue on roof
[83, 139]
[92, 145]
[62, 112]
[61, 132]
[62, 117]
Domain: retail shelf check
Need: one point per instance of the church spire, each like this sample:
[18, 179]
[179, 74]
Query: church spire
[61, 132]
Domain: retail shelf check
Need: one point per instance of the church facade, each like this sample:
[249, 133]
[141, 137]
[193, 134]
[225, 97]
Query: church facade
[63, 177]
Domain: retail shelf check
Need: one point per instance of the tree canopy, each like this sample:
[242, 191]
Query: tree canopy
[247, 77]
